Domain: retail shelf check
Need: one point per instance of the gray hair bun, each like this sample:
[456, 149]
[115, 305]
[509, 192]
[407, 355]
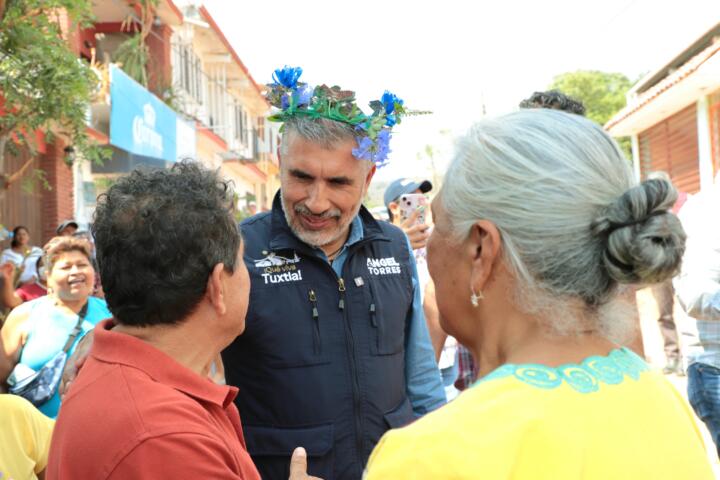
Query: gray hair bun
[644, 241]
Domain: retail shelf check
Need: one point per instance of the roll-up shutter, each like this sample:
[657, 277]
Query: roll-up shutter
[672, 146]
[715, 130]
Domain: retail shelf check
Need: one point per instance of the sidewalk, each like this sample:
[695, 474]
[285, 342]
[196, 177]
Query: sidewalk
[655, 356]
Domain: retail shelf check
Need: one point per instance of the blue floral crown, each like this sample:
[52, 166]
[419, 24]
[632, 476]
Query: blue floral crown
[295, 98]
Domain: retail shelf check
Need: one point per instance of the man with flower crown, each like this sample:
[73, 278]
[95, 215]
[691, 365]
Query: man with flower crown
[336, 350]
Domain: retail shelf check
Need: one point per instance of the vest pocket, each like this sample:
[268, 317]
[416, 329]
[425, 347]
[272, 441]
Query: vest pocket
[286, 323]
[400, 416]
[387, 318]
[271, 449]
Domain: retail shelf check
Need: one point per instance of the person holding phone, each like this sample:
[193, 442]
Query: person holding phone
[407, 215]
[408, 208]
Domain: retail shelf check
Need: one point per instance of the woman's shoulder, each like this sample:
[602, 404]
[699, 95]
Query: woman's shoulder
[490, 417]
[26, 308]
[97, 309]
[22, 317]
[9, 255]
[486, 403]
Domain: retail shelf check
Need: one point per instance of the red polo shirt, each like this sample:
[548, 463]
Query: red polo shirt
[135, 413]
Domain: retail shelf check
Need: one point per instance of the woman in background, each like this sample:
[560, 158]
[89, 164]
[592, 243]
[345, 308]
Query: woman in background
[36, 331]
[23, 255]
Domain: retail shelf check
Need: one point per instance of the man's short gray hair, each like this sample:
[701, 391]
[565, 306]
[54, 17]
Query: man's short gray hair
[322, 131]
[572, 220]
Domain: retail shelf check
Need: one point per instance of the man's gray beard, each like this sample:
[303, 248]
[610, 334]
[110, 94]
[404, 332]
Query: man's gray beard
[316, 239]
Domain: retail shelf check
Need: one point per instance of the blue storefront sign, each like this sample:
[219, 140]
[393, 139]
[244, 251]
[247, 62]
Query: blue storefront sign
[142, 124]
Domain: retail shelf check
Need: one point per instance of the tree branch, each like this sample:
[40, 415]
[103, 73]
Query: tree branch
[15, 176]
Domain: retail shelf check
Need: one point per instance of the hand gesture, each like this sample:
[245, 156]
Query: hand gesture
[7, 270]
[298, 466]
[417, 234]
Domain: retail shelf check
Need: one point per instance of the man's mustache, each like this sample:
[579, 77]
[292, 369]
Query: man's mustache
[303, 210]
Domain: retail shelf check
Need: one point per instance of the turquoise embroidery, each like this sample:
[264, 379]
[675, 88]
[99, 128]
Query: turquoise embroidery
[584, 378]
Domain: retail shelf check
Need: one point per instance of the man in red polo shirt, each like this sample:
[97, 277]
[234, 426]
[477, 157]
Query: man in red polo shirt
[142, 406]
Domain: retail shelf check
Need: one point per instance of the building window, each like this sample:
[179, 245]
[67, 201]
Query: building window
[188, 72]
[240, 123]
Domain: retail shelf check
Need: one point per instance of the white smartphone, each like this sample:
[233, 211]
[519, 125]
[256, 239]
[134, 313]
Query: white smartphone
[409, 203]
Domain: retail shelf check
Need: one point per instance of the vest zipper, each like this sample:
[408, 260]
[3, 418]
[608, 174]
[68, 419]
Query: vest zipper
[373, 307]
[373, 315]
[353, 366]
[341, 289]
[317, 347]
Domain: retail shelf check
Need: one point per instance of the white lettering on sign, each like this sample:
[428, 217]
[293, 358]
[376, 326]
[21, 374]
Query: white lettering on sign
[144, 130]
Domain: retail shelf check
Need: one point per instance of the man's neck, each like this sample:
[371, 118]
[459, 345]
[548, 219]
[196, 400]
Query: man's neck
[332, 249]
[189, 346]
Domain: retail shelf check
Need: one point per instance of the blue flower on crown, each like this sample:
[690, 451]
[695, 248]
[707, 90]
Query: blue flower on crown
[382, 147]
[373, 150]
[372, 131]
[389, 100]
[364, 148]
[303, 95]
[287, 76]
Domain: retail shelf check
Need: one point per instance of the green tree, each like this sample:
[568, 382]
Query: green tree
[43, 85]
[602, 93]
[133, 54]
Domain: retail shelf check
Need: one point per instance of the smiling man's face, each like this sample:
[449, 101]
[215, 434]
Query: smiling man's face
[322, 190]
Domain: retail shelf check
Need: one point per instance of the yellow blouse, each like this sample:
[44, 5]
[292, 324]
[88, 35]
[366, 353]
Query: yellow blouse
[25, 435]
[606, 418]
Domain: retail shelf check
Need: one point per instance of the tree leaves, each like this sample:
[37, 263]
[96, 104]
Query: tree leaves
[43, 85]
[602, 93]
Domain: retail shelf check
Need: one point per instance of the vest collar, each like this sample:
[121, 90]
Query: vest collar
[282, 237]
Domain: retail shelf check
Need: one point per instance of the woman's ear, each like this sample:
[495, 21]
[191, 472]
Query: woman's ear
[485, 248]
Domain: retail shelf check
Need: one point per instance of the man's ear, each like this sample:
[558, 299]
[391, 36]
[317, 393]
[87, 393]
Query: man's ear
[484, 244]
[369, 176]
[215, 290]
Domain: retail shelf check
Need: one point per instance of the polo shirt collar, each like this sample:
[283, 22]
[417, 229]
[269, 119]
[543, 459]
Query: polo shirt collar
[120, 348]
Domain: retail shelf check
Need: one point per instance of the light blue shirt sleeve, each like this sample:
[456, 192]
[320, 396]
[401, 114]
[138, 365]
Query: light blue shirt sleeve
[424, 383]
[698, 285]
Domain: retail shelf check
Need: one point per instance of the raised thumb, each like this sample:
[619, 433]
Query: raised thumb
[298, 464]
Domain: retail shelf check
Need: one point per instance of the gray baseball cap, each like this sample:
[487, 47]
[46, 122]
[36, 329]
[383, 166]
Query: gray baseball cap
[402, 186]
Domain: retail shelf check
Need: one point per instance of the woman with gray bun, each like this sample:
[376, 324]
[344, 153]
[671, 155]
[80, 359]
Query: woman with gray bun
[539, 229]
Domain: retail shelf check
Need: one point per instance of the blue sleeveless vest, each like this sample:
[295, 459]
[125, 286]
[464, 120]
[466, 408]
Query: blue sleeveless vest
[321, 363]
